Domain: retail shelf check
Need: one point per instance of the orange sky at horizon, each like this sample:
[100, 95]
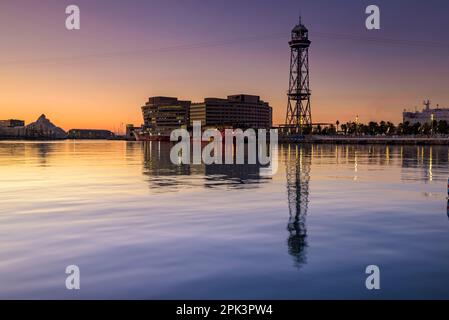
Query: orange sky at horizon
[100, 76]
[110, 107]
[101, 94]
[74, 97]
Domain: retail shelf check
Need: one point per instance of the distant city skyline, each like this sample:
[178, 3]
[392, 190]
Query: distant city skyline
[126, 51]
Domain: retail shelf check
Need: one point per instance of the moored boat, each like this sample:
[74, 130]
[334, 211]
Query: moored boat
[148, 136]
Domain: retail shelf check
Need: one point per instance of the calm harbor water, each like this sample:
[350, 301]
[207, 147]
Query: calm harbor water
[140, 227]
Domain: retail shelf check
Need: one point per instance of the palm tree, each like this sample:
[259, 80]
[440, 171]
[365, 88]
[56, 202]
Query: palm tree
[443, 127]
[383, 127]
[426, 128]
[417, 128]
[352, 127]
[405, 127]
[391, 129]
[373, 128]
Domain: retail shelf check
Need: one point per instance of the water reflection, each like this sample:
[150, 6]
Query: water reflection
[448, 208]
[433, 161]
[109, 203]
[20, 151]
[297, 167]
[43, 151]
[164, 176]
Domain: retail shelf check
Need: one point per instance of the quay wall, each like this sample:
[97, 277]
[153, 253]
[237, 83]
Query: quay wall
[367, 140]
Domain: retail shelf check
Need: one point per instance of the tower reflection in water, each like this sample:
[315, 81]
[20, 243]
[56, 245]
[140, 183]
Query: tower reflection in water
[164, 176]
[297, 166]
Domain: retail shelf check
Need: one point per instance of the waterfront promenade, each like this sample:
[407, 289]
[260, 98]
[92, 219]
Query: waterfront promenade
[390, 140]
[394, 140]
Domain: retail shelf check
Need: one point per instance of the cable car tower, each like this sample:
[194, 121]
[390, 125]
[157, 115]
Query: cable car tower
[299, 114]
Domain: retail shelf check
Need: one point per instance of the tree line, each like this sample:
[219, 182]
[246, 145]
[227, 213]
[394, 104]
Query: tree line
[384, 128]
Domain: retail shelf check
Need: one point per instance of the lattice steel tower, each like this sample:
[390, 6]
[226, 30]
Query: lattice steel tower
[299, 114]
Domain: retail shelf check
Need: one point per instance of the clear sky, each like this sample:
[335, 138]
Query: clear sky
[126, 51]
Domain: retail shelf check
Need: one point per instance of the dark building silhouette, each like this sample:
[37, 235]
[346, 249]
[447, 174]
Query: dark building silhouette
[41, 129]
[130, 128]
[164, 114]
[12, 123]
[237, 111]
[89, 134]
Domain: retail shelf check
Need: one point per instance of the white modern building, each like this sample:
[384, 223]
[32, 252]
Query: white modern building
[427, 115]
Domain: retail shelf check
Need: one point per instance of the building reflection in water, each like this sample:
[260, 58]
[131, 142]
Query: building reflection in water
[21, 151]
[164, 176]
[297, 165]
[44, 150]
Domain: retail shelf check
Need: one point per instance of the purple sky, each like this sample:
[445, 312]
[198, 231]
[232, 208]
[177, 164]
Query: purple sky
[129, 50]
